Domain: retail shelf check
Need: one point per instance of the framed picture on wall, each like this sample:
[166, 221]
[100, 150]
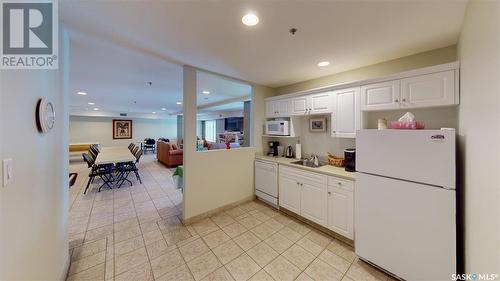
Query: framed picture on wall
[317, 124]
[122, 129]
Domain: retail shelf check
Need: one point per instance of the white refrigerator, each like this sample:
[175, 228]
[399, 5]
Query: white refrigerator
[405, 207]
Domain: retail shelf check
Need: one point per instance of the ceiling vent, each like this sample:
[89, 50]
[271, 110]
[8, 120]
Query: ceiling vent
[123, 114]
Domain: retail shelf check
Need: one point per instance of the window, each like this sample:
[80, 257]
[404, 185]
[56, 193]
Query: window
[210, 134]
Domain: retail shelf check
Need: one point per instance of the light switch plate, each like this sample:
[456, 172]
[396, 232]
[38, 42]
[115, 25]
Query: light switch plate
[8, 171]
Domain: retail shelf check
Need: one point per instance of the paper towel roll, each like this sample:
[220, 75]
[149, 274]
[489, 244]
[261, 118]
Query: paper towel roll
[298, 151]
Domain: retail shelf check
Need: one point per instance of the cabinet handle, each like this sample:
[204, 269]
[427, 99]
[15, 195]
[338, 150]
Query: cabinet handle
[301, 184]
[396, 100]
[403, 100]
[339, 183]
[329, 193]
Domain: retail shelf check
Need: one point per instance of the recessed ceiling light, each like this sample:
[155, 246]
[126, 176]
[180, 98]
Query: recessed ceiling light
[178, 102]
[205, 92]
[323, 63]
[154, 112]
[250, 19]
[82, 93]
[91, 103]
[96, 108]
[163, 108]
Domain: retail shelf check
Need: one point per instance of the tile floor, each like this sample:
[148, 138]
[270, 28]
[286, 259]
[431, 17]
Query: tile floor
[135, 233]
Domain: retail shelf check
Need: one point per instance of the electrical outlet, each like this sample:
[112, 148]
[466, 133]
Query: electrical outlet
[8, 172]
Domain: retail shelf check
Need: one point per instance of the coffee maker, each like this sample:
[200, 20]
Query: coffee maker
[273, 148]
[350, 159]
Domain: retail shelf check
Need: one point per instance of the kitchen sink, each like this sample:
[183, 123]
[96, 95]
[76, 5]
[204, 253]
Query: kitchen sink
[308, 163]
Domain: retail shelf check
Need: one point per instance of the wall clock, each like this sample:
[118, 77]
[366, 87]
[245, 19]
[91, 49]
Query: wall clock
[45, 116]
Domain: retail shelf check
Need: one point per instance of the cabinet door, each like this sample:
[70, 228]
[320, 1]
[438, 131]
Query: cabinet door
[283, 108]
[289, 194]
[320, 103]
[380, 96]
[436, 89]
[313, 202]
[271, 110]
[346, 114]
[300, 105]
[341, 211]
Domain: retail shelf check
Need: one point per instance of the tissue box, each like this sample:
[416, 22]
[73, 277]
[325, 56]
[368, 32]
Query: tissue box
[411, 125]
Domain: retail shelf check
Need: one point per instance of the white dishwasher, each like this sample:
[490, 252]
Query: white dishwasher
[266, 181]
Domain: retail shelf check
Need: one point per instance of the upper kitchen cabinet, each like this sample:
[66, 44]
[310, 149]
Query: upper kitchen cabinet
[380, 96]
[425, 90]
[312, 104]
[346, 115]
[435, 89]
[278, 108]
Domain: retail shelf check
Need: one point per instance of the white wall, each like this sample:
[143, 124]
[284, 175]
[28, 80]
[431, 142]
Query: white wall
[216, 178]
[100, 129]
[34, 208]
[479, 134]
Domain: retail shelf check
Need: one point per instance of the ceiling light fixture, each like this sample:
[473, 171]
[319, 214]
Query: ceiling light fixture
[178, 102]
[323, 63]
[154, 112]
[96, 108]
[82, 93]
[91, 103]
[163, 108]
[250, 19]
[205, 92]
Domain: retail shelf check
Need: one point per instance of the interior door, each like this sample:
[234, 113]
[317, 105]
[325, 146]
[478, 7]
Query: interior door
[401, 224]
[380, 96]
[436, 89]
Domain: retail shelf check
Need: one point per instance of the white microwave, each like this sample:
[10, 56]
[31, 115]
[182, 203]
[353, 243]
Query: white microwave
[278, 128]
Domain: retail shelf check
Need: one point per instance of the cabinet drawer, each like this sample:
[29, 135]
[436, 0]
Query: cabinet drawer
[302, 175]
[341, 183]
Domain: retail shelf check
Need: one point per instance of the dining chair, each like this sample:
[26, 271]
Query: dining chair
[104, 172]
[131, 145]
[125, 169]
[134, 151]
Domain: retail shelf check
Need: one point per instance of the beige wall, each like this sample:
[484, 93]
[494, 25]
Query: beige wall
[34, 208]
[434, 57]
[479, 134]
[99, 129]
[216, 178]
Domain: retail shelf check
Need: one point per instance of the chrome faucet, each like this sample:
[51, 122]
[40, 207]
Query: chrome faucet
[315, 160]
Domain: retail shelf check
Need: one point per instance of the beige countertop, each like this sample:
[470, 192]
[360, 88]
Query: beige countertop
[326, 170]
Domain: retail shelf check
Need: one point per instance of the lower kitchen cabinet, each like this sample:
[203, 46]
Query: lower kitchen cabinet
[289, 193]
[313, 202]
[327, 201]
[341, 211]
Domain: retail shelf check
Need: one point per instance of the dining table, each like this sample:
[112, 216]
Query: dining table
[113, 155]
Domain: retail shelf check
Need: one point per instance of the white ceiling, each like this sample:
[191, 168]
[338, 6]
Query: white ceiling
[118, 46]
[116, 78]
[210, 35]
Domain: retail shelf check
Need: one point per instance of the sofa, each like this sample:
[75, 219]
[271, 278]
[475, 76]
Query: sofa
[168, 154]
